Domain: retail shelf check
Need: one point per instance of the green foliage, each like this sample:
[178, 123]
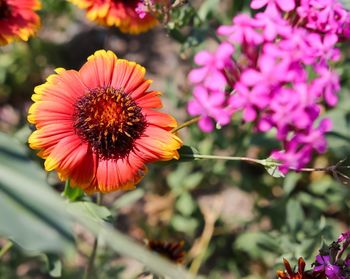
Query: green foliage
[22, 187]
[72, 193]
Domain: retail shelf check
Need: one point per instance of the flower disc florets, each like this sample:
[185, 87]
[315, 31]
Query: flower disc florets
[110, 121]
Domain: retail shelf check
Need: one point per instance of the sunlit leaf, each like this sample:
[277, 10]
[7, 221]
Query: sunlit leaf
[28, 214]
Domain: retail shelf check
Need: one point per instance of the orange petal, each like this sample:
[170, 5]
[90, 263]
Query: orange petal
[83, 173]
[99, 69]
[48, 136]
[149, 100]
[66, 154]
[160, 119]
[119, 174]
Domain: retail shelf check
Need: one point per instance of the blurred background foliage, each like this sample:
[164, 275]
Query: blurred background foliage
[236, 220]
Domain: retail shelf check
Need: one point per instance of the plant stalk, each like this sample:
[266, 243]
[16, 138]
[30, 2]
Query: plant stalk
[185, 124]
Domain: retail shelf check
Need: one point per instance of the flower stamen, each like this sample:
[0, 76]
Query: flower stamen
[102, 118]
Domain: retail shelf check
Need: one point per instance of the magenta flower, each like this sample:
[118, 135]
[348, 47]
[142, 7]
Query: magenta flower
[278, 71]
[324, 46]
[326, 85]
[141, 10]
[273, 5]
[293, 157]
[314, 138]
[272, 26]
[242, 30]
[332, 271]
[209, 105]
[270, 72]
[326, 16]
[290, 109]
[212, 73]
[251, 101]
[345, 236]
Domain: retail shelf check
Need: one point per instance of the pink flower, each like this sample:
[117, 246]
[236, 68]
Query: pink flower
[327, 84]
[242, 30]
[324, 46]
[315, 136]
[272, 26]
[327, 16]
[273, 5]
[209, 105]
[278, 75]
[323, 263]
[211, 74]
[251, 101]
[345, 236]
[141, 10]
[270, 72]
[293, 157]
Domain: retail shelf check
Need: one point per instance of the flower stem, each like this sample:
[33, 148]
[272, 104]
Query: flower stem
[90, 267]
[228, 158]
[269, 163]
[185, 124]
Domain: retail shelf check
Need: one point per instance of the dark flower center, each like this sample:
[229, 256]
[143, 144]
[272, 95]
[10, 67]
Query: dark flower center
[110, 121]
[4, 9]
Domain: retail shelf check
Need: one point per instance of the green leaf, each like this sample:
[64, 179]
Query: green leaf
[345, 3]
[187, 153]
[256, 244]
[185, 204]
[128, 198]
[28, 214]
[184, 224]
[72, 193]
[295, 216]
[207, 8]
[290, 182]
[94, 212]
[54, 265]
[272, 168]
[184, 179]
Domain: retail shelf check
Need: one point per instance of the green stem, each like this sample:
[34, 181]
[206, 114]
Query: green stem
[228, 158]
[185, 124]
[6, 248]
[89, 271]
[263, 162]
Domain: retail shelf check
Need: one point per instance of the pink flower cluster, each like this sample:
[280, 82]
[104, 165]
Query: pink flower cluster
[141, 9]
[275, 69]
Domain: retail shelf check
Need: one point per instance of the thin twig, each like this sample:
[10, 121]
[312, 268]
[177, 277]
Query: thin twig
[211, 214]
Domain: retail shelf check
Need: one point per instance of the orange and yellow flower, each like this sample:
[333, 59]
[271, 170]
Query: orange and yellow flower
[120, 13]
[18, 19]
[100, 125]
